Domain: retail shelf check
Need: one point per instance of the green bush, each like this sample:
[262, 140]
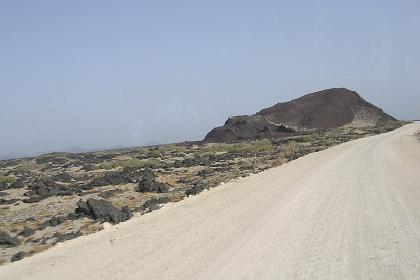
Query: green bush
[6, 179]
[309, 138]
[106, 166]
[4, 212]
[323, 141]
[128, 163]
[262, 146]
[140, 163]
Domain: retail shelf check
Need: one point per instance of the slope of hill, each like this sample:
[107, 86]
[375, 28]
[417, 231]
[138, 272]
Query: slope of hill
[321, 110]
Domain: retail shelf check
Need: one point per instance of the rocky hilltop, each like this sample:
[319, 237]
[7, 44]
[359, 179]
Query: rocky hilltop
[327, 109]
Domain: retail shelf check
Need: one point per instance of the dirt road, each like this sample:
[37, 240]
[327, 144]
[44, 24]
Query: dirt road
[349, 212]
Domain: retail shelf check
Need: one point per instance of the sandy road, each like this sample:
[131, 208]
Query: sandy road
[349, 212]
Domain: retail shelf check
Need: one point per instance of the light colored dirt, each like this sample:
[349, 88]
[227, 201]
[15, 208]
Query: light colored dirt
[349, 212]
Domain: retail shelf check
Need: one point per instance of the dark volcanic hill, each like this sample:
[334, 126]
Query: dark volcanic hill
[330, 108]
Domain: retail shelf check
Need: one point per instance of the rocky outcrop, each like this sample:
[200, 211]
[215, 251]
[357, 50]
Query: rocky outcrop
[43, 188]
[321, 110]
[102, 210]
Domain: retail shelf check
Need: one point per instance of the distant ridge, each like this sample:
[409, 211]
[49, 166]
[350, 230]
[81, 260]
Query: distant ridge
[330, 108]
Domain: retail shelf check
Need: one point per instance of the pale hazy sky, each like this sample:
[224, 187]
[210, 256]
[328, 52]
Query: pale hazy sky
[105, 73]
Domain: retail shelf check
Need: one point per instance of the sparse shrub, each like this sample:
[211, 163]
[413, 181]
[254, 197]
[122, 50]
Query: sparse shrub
[4, 212]
[6, 179]
[140, 163]
[323, 142]
[28, 166]
[262, 146]
[106, 166]
[309, 138]
[128, 164]
[290, 149]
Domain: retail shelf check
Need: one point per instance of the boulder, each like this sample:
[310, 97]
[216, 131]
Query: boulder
[6, 239]
[18, 256]
[102, 210]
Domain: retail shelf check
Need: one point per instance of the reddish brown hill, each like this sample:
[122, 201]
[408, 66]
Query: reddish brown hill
[321, 110]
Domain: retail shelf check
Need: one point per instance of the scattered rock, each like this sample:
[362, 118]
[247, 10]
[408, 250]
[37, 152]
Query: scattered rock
[72, 216]
[32, 199]
[56, 220]
[196, 189]
[46, 187]
[102, 210]
[63, 177]
[205, 172]
[18, 184]
[110, 193]
[18, 256]
[37, 240]
[66, 236]
[26, 232]
[188, 162]
[149, 184]
[8, 201]
[152, 204]
[6, 239]
[111, 178]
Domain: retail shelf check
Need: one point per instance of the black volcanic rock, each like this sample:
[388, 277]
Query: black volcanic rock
[6, 239]
[43, 188]
[26, 232]
[18, 256]
[18, 184]
[153, 203]
[148, 183]
[102, 210]
[321, 110]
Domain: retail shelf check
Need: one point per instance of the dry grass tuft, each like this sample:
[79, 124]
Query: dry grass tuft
[39, 248]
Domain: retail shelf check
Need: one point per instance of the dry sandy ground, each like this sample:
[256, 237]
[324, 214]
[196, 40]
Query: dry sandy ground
[349, 212]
